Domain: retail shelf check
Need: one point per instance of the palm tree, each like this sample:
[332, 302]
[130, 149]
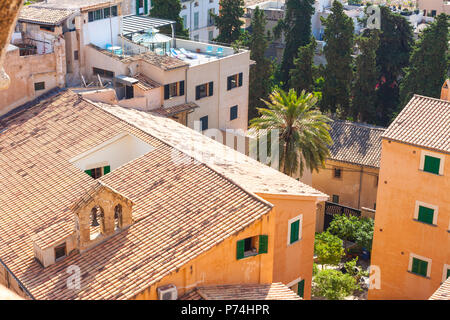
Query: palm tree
[303, 129]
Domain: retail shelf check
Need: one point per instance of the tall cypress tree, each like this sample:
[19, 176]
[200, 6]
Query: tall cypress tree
[396, 39]
[428, 65]
[169, 9]
[296, 27]
[228, 21]
[338, 36]
[302, 76]
[366, 78]
[262, 70]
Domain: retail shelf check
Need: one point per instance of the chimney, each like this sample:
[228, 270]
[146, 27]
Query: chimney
[445, 92]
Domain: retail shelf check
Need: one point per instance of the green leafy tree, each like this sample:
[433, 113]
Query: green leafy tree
[228, 21]
[366, 78]
[428, 64]
[262, 71]
[356, 272]
[333, 284]
[296, 27]
[328, 248]
[359, 230]
[396, 39]
[169, 9]
[304, 130]
[302, 76]
[338, 36]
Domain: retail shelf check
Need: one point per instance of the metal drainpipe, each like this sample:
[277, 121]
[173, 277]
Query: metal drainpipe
[360, 186]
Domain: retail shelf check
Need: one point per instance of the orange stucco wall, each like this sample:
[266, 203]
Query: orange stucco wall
[295, 261]
[397, 235]
[353, 178]
[282, 262]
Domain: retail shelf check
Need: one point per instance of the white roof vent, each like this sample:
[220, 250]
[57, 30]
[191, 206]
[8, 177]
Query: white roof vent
[168, 292]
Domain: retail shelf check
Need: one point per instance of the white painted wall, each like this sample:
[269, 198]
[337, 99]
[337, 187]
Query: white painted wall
[202, 9]
[99, 32]
[115, 153]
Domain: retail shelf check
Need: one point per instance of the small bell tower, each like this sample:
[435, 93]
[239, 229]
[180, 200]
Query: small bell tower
[445, 91]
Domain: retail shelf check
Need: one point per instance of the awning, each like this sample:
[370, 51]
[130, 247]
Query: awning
[134, 23]
[126, 80]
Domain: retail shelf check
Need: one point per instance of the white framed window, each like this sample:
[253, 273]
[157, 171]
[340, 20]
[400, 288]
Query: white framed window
[419, 265]
[432, 162]
[425, 212]
[295, 229]
[446, 272]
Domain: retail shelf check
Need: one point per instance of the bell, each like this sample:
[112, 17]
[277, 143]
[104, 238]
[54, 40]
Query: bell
[94, 220]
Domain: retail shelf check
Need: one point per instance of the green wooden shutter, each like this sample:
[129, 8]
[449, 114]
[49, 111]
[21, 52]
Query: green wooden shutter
[89, 172]
[294, 231]
[448, 273]
[197, 92]
[145, 6]
[419, 267]
[240, 79]
[182, 88]
[263, 244]
[301, 288]
[106, 169]
[425, 215]
[431, 164]
[229, 79]
[240, 245]
[211, 88]
[166, 92]
[137, 7]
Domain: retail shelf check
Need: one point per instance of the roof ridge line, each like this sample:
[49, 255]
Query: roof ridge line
[250, 193]
[430, 98]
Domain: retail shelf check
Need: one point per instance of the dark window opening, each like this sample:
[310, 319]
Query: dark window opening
[337, 172]
[233, 112]
[335, 198]
[118, 216]
[174, 89]
[39, 86]
[75, 55]
[204, 90]
[252, 246]
[234, 81]
[204, 123]
[103, 73]
[60, 251]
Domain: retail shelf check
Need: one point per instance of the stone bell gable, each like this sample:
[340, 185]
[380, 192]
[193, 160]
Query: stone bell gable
[99, 214]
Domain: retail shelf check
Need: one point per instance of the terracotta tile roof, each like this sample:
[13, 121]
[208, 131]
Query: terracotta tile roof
[423, 122]
[180, 211]
[75, 4]
[162, 61]
[274, 291]
[54, 233]
[356, 143]
[235, 166]
[171, 111]
[44, 15]
[443, 293]
[146, 83]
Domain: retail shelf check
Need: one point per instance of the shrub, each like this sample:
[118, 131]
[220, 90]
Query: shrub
[333, 284]
[355, 229]
[328, 248]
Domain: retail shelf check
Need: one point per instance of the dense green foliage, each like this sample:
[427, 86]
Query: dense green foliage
[302, 76]
[303, 130]
[428, 64]
[396, 39]
[228, 21]
[262, 70]
[359, 230]
[169, 9]
[328, 248]
[296, 27]
[338, 36]
[333, 284]
[366, 78]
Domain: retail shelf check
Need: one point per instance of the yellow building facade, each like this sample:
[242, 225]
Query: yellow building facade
[411, 246]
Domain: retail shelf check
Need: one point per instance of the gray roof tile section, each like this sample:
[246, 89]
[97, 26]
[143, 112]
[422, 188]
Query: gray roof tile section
[356, 143]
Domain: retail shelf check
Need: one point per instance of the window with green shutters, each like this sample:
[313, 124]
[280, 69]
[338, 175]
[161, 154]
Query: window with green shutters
[295, 231]
[419, 267]
[448, 273]
[431, 164]
[106, 169]
[425, 215]
[247, 248]
[301, 288]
